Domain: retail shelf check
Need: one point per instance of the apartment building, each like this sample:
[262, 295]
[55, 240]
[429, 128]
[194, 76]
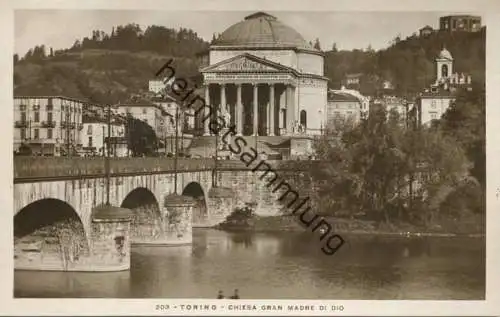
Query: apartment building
[95, 137]
[150, 113]
[48, 125]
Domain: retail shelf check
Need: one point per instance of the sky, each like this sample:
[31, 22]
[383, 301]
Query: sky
[60, 28]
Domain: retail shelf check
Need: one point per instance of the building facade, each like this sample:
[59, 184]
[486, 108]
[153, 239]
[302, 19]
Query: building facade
[432, 105]
[267, 77]
[150, 113]
[342, 107]
[465, 23]
[426, 31]
[48, 125]
[95, 136]
[434, 101]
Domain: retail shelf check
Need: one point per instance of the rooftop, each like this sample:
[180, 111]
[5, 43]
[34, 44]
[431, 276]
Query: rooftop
[261, 30]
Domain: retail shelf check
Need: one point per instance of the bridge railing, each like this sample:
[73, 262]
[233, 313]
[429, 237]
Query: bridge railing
[282, 165]
[53, 167]
[42, 167]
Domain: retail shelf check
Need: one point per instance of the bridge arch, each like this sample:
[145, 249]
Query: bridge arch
[146, 223]
[200, 211]
[49, 234]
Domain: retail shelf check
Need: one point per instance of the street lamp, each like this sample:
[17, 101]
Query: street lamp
[320, 112]
[214, 172]
[176, 135]
[106, 159]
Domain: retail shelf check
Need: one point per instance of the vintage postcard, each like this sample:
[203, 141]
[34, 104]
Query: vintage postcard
[215, 158]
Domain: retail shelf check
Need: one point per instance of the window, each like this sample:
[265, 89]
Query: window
[23, 116]
[23, 134]
[144, 111]
[37, 134]
[22, 107]
[49, 107]
[433, 115]
[433, 104]
[90, 141]
[37, 116]
[49, 133]
[49, 116]
[444, 71]
[89, 130]
[303, 118]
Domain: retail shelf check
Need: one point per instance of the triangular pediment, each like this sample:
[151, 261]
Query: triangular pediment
[246, 63]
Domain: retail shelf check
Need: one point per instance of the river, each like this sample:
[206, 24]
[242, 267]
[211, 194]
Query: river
[282, 265]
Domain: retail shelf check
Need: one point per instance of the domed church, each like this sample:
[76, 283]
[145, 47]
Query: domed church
[266, 78]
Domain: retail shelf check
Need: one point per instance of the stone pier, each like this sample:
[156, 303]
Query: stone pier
[221, 202]
[178, 219]
[64, 246]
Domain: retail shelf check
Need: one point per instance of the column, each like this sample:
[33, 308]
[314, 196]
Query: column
[290, 98]
[205, 119]
[255, 109]
[271, 110]
[223, 98]
[239, 111]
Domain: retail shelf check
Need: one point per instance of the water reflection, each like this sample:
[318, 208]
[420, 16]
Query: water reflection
[72, 284]
[285, 265]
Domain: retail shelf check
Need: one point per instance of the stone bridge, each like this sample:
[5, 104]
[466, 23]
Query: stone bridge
[56, 199]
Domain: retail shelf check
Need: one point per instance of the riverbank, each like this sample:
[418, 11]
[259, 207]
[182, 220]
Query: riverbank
[450, 228]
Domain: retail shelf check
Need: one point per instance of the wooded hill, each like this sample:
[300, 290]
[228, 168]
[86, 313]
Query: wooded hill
[409, 63]
[113, 67]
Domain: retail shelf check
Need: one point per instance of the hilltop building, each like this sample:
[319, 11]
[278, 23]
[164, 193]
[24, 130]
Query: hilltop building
[426, 31]
[464, 23]
[434, 101]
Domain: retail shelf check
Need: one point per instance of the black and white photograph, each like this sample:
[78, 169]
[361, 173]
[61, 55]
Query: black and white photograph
[309, 158]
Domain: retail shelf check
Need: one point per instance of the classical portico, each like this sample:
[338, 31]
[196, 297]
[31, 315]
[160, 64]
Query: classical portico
[259, 94]
[267, 77]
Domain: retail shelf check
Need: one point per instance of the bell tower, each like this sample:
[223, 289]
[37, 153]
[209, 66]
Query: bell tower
[444, 65]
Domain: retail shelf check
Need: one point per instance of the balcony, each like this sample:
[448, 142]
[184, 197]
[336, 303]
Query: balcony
[70, 125]
[48, 124]
[21, 124]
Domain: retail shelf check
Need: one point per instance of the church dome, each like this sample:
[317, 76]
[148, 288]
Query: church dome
[445, 54]
[261, 30]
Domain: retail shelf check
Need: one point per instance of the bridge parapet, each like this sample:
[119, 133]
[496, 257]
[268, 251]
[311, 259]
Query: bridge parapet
[279, 165]
[44, 167]
[59, 167]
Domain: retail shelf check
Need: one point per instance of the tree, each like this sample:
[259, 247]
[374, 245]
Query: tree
[388, 172]
[141, 138]
[465, 120]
